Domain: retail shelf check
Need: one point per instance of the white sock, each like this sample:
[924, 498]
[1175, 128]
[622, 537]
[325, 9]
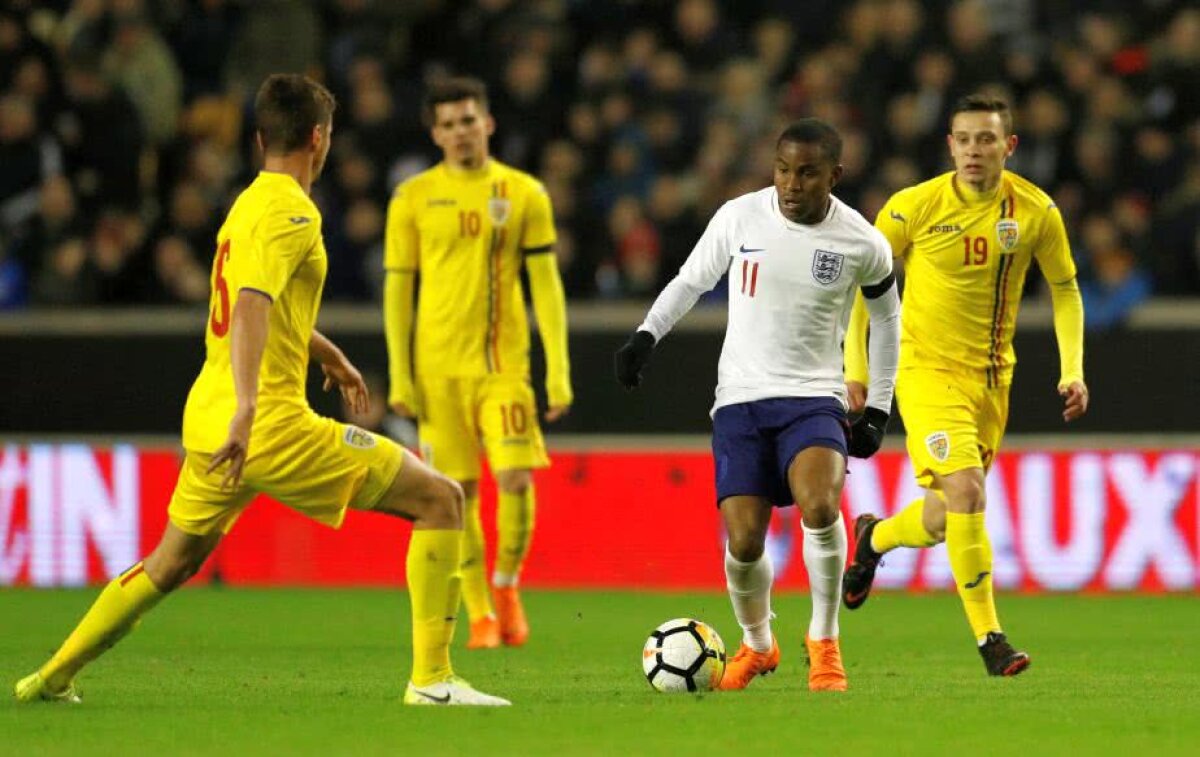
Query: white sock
[825, 558]
[749, 585]
[504, 580]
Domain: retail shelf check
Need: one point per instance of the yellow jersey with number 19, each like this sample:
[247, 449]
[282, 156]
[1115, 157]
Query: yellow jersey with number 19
[270, 243]
[965, 259]
[467, 232]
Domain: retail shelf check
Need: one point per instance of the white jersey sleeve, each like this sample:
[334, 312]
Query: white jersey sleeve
[704, 267]
[883, 305]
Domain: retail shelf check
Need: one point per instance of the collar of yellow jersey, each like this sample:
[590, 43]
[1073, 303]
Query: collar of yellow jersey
[972, 197]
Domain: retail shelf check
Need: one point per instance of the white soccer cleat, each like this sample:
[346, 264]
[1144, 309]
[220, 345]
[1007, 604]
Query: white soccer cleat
[33, 688]
[452, 691]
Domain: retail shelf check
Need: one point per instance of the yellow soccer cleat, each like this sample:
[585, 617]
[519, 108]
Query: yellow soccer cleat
[747, 664]
[825, 670]
[452, 691]
[33, 688]
[485, 633]
[514, 627]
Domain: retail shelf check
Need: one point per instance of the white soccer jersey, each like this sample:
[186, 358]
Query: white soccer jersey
[791, 288]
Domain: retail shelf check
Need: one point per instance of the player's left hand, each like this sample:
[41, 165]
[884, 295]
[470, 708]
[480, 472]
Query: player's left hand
[554, 412]
[866, 434]
[1076, 396]
[349, 382]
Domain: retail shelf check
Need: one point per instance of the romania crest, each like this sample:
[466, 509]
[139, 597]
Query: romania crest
[356, 437]
[938, 444]
[1007, 234]
[498, 208]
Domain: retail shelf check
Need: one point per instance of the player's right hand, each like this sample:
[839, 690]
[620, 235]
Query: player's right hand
[632, 358]
[234, 450]
[856, 396]
[866, 434]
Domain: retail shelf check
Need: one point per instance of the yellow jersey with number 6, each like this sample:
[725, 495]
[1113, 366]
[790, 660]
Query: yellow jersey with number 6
[270, 243]
[965, 259]
[466, 233]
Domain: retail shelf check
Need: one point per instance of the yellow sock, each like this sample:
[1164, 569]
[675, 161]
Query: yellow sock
[970, 554]
[904, 529]
[114, 613]
[475, 592]
[514, 527]
[434, 589]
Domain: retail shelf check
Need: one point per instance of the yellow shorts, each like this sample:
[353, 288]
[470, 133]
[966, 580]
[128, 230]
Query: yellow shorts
[462, 418]
[953, 420]
[314, 465]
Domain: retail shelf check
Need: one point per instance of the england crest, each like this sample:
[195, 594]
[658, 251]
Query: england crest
[498, 208]
[938, 444]
[1008, 234]
[827, 266]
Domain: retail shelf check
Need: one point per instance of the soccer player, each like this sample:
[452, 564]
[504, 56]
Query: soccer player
[247, 427]
[465, 228]
[795, 255]
[967, 238]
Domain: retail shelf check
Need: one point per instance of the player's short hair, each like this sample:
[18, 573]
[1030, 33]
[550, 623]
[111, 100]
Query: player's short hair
[814, 131]
[979, 103]
[452, 90]
[287, 108]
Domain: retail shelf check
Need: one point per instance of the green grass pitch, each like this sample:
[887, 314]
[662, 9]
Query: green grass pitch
[235, 671]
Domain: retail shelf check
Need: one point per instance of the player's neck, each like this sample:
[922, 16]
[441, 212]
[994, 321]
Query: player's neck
[977, 190]
[298, 166]
[468, 169]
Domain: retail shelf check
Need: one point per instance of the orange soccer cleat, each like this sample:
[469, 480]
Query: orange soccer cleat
[485, 633]
[746, 664]
[825, 671]
[514, 628]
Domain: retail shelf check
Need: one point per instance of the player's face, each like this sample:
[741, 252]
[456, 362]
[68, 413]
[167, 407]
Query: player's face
[979, 147]
[804, 177]
[462, 129]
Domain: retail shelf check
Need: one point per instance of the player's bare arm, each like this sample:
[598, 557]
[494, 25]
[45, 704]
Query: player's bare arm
[249, 328]
[339, 372]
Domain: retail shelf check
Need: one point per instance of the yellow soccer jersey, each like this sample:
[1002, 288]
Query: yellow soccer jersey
[466, 232]
[270, 242]
[966, 256]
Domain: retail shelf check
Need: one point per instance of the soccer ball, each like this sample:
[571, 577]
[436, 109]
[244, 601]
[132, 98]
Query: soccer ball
[684, 655]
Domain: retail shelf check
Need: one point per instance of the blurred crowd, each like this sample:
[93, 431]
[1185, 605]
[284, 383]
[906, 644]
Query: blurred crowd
[125, 124]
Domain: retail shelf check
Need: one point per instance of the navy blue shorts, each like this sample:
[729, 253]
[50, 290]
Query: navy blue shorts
[754, 442]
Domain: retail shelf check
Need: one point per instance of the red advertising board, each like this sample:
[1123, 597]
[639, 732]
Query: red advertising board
[1064, 521]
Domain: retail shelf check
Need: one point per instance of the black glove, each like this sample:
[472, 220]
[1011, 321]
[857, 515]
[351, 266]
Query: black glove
[632, 358]
[866, 434]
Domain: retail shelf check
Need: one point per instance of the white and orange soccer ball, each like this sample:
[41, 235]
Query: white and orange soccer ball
[684, 655]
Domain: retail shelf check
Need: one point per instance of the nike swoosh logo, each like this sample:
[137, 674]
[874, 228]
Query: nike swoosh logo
[852, 598]
[440, 700]
[896, 216]
[978, 580]
[744, 249]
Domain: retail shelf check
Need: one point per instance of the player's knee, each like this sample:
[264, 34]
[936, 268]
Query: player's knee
[169, 572]
[443, 503]
[514, 481]
[965, 493]
[745, 546]
[819, 504]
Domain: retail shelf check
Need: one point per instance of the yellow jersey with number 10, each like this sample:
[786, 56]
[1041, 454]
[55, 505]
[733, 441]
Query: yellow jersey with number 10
[271, 243]
[466, 232]
[965, 259]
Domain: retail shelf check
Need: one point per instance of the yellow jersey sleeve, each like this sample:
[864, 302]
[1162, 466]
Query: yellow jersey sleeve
[538, 232]
[401, 242]
[282, 241]
[1053, 251]
[896, 218]
[1053, 254]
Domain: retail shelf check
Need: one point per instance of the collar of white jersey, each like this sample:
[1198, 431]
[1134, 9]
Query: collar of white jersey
[773, 199]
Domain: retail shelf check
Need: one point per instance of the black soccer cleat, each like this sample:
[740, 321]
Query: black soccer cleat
[1000, 658]
[856, 583]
